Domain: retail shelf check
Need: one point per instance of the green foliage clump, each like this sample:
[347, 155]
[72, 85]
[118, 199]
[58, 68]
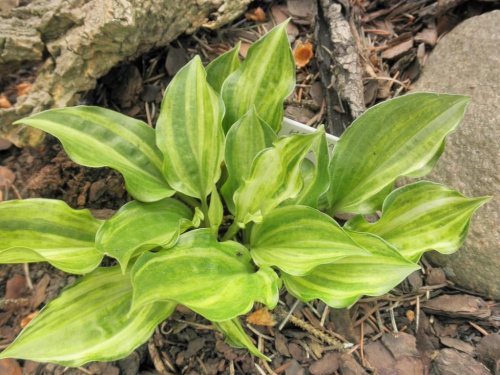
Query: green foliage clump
[226, 212]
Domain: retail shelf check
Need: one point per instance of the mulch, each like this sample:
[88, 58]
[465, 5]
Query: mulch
[425, 325]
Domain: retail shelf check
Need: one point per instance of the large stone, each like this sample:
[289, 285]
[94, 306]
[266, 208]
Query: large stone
[467, 61]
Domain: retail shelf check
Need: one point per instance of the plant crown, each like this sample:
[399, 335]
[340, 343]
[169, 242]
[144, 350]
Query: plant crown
[225, 212]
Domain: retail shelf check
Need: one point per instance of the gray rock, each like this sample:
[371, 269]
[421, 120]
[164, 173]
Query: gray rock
[467, 61]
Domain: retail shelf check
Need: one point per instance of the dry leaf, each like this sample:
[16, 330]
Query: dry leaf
[262, 317]
[410, 315]
[256, 15]
[29, 318]
[23, 88]
[4, 102]
[303, 54]
[9, 366]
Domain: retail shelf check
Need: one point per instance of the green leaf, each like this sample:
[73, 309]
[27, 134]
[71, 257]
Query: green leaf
[215, 212]
[296, 239]
[274, 177]
[401, 137]
[237, 337]
[315, 176]
[138, 227]
[88, 322]
[189, 132]
[219, 69]
[421, 217]
[341, 283]
[249, 136]
[45, 230]
[213, 279]
[264, 80]
[98, 137]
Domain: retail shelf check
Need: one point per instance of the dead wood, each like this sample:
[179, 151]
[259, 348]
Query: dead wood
[340, 67]
[77, 41]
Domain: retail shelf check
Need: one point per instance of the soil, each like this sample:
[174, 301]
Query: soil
[425, 325]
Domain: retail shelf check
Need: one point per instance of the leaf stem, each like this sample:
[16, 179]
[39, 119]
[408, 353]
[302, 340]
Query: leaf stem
[204, 209]
[231, 232]
[193, 202]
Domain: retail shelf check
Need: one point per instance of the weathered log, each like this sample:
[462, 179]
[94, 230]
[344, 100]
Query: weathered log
[340, 68]
[78, 41]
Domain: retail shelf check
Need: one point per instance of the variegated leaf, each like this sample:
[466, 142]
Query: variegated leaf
[420, 217]
[98, 137]
[138, 227]
[315, 176]
[189, 132]
[88, 322]
[274, 177]
[341, 283]
[215, 211]
[297, 239]
[213, 279]
[401, 137]
[45, 230]
[264, 79]
[237, 337]
[249, 136]
[219, 69]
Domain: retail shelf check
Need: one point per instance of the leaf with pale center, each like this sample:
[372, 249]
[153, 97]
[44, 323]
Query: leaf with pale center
[45, 230]
[341, 283]
[249, 136]
[264, 79]
[315, 176]
[216, 280]
[274, 177]
[189, 132]
[219, 69]
[420, 217]
[401, 137]
[98, 137]
[296, 239]
[88, 322]
[215, 211]
[237, 337]
[138, 227]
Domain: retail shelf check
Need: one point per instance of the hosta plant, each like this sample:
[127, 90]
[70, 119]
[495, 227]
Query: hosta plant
[225, 213]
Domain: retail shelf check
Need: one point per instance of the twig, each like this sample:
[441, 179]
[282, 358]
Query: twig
[154, 78]
[417, 314]
[27, 275]
[283, 367]
[83, 369]
[369, 313]
[313, 309]
[361, 343]
[148, 115]
[196, 325]
[258, 333]
[169, 362]
[323, 316]
[266, 366]
[479, 328]
[287, 317]
[393, 319]
[202, 365]
[14, 302]
[317, 333]
[155, 356]
[259, 369]
[392, 80]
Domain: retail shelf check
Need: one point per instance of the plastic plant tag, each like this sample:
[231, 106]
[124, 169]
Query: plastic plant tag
[291, 127]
